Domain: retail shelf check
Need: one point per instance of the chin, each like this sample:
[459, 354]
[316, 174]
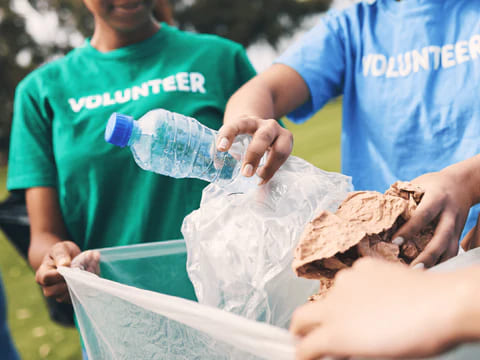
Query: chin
[129, 24]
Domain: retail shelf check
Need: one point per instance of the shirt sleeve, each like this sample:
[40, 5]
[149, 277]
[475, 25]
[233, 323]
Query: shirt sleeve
[31, 161]
[319, 57]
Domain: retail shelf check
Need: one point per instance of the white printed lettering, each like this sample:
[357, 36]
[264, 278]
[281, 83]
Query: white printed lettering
[366, 62]
[405, 64]
[391, 72]
[448, 56]
[182, 81]
[107, 100]
[436, 51]
[197, 82]
[474, 46]
[169, 84]
[77, 105]
[430, 57]
[461, 52]
[420, 60]
[138, 91]
[93, 101]
[379, 65]
[122, 98]
[155, 84]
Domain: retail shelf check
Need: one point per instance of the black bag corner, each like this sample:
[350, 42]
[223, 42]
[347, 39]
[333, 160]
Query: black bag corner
[15, 224]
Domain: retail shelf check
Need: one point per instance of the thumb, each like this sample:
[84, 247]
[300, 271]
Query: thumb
[61, 255]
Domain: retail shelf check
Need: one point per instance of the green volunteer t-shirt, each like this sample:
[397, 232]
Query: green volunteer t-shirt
[61, 111]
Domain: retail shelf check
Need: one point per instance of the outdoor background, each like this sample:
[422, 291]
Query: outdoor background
[35, 31]
[37, 337]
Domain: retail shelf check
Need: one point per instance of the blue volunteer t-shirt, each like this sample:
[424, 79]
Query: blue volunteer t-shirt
[409, 73]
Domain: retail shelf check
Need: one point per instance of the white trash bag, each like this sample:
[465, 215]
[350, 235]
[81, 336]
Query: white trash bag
[121, 322]
[240, 245]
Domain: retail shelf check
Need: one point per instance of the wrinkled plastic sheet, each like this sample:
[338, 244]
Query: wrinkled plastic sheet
[241, 240]
[119, 321]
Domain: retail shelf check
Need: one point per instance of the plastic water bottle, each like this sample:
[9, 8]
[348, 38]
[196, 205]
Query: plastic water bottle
[174, 145]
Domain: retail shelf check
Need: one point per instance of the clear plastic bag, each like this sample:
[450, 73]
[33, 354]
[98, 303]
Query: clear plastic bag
[120, 321]
[125, 314]
[240, 244]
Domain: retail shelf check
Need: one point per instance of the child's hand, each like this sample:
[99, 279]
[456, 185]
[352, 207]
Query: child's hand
[266, 135]
[47, 275]
[382, 310]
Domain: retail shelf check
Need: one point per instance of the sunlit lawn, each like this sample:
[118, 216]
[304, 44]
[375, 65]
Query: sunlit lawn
[37, 337]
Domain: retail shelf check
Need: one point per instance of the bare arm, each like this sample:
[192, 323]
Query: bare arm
[46, 223]
[48, 245]
[253, 110]
[269, 95]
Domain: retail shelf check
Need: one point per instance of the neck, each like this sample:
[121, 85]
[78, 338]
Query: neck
[106, 38]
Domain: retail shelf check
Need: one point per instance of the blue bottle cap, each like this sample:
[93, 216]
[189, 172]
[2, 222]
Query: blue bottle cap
[119, 129]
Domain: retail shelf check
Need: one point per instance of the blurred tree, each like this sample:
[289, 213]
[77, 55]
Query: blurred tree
[16, 47]
[244, 21]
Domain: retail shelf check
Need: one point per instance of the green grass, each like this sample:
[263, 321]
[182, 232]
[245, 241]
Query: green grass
[37, 337]
[318, 140]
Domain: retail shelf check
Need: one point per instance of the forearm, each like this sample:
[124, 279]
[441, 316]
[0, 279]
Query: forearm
[270, 95]
[253, 99]
[40, 245]
[468, 174]
[46, 223]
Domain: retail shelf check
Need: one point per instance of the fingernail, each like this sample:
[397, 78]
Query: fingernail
[398, 240]
[222, 145]
[247, 170]
[419, 266]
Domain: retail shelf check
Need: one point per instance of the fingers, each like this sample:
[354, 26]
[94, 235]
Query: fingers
[64, 298]
[306, 318]
[60, 255]
[88, 260]
[266, 135]
[228, 132]
[263, 139]
[452, 251]
[440, 242]
[56, 291]
[425, 213]
[313, 346]
[47, 277]
[278, 154]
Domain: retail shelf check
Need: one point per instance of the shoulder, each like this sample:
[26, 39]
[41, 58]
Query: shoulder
[356, 13]
[346, 24]
[47, 74]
